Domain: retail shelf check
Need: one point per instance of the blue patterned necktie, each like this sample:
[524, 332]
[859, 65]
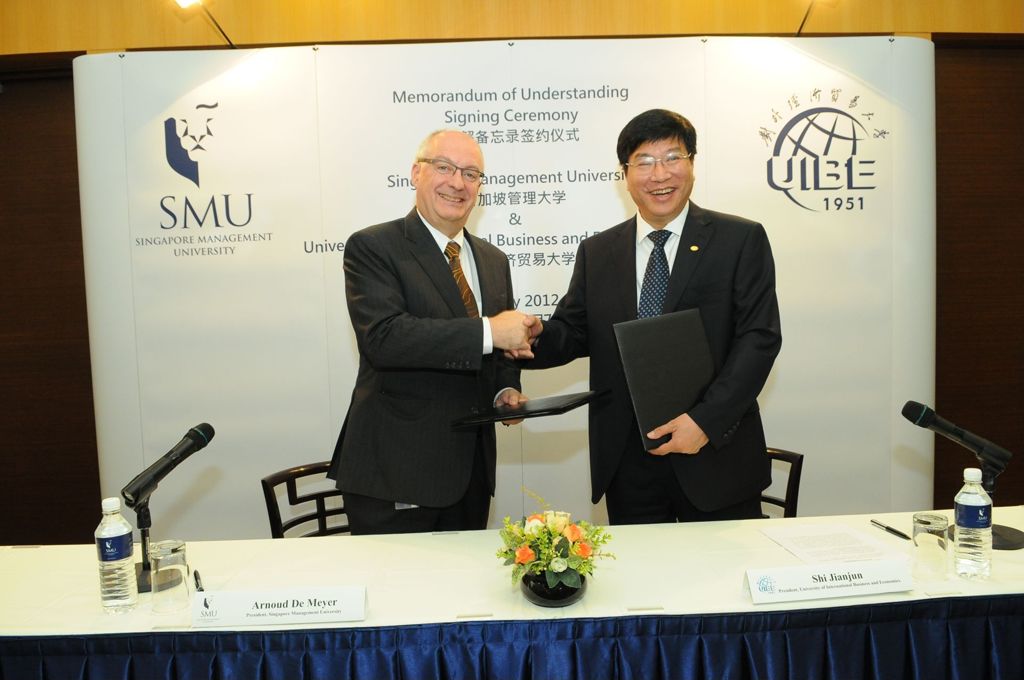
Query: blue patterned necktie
[652, 292]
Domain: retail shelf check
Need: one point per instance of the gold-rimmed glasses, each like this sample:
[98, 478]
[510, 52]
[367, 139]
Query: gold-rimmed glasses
[644, 165]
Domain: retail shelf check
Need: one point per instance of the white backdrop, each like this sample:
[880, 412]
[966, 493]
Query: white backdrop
[218, 189]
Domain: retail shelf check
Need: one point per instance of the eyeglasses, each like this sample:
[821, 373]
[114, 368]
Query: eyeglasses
[644, 165]
[443, 167]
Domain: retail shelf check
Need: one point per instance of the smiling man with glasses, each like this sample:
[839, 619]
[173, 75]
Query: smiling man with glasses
[673, 255]
[432, 308]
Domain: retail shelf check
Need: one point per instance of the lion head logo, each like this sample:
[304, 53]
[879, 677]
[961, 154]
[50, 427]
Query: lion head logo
[185, 136]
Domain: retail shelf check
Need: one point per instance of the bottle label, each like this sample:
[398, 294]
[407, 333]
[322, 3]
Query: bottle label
[113, 548]
[973, 516]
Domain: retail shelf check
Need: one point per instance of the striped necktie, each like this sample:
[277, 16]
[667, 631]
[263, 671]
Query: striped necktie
[452, 252]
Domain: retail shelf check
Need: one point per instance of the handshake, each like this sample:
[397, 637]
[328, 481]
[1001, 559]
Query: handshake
[515, 333]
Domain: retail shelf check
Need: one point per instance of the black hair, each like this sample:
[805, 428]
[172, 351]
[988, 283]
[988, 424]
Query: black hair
[654, 126]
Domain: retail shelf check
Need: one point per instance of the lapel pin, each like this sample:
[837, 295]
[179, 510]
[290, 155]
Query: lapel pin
[694, 248]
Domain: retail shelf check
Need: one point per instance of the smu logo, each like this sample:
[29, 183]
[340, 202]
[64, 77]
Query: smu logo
[179, 143]
[822, 156]
[185, 141]
[208, 610]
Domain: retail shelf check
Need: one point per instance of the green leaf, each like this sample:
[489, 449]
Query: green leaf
[562, 546]
[552, 578]
[571, 578]
[517, 573]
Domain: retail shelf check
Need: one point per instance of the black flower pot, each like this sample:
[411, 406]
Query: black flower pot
[535, 588]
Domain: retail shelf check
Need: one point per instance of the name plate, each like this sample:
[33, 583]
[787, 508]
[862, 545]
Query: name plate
[272, 607]
[820, 581]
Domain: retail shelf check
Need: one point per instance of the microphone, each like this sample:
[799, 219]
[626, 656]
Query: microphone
[139, 489]
[993, 459]
[990, 453]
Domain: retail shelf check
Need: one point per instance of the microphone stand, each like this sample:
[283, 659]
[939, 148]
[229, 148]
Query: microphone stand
[1003, 537]
[136, 493]
[143, 575]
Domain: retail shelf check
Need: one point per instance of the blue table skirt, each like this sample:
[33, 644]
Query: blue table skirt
[976, 638]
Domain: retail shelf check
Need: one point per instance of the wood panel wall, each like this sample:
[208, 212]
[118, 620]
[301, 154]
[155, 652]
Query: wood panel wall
[979, 103]
[29, 26]
[47, 431]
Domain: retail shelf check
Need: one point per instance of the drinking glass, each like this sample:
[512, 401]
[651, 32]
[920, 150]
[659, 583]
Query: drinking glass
[931, 547]
[169, 573]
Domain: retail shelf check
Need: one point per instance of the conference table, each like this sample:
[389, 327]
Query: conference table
[672, 604]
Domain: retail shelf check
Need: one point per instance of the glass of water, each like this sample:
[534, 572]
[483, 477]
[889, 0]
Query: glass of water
[931, 547]
[169, 575]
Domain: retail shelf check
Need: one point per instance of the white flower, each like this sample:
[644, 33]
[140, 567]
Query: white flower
[556, 521]
[558, 565]
[533, 527]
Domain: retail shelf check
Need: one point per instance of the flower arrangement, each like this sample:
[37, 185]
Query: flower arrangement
[550, 543]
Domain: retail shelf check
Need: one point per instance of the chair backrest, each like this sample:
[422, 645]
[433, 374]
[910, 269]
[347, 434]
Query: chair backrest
[789, 501]
[320, 513]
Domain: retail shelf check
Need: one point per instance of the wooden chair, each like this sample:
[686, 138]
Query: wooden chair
[796, 464]
[320, 513]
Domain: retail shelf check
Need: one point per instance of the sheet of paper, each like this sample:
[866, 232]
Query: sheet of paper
[814, 543]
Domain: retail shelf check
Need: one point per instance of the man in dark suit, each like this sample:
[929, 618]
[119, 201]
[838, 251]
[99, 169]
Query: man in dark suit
[432, 308]
[715, 465]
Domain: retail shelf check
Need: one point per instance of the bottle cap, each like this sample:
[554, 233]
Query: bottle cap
[972, 474]
[113, 504]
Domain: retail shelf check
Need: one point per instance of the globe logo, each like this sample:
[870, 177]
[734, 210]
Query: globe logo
[820, 150]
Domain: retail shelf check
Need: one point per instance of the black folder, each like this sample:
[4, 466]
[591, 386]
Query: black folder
[534, 408]
[668, 366]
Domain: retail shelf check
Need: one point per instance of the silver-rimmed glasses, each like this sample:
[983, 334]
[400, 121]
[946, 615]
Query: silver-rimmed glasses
[445, 167]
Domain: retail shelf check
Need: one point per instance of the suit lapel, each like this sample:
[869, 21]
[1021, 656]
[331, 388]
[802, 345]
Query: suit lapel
[697, 231]
[432, 260]
[622, 270]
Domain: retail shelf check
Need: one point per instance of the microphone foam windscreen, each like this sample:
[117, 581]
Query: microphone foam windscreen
[201, 434]
[918, 414]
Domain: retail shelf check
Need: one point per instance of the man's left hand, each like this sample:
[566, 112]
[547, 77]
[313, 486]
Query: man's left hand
[687, 437]
[511, 397]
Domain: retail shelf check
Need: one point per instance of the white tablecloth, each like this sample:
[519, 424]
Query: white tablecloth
[432, 578]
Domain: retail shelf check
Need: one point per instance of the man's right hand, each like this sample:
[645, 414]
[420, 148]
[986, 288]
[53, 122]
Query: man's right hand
[534, 327]
[514, 332]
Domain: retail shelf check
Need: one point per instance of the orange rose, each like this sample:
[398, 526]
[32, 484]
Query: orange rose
[525, 555]
[537, 516]
[584, 550]
[573, 533]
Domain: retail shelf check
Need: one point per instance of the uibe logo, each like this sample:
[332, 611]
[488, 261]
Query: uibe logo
[185, 136]
[821, 158]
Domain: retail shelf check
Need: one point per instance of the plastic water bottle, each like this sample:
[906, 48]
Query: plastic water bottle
[118, 590]
[973, 547]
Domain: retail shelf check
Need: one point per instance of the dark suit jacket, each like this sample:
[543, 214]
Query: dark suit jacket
[730, 277]
[420, 366]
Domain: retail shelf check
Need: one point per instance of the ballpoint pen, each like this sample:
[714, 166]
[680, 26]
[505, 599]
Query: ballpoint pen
[891, 530]
[199, 581]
